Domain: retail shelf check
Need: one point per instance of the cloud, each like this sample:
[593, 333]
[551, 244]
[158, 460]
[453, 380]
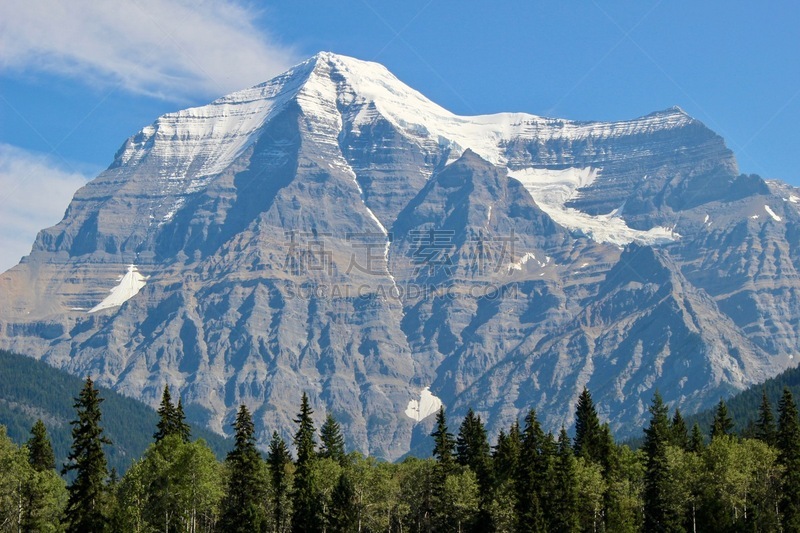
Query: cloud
[173, 49]
[34, 193]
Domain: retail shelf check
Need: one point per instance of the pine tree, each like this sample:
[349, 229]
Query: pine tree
[182, 429]
[696, 440]
[166, 416]
[659, 515]
[86, 508]
[788, 443]
[472, 451]
[242, 510]
[722, 425]
[343, 513]
[278, 459]
[564, 515]
[443, 444]
[40, 451]
[679, 433]
[472, 448]
[307, 516]
[765, 426]
[588, 441]
[331, 440]
[528, 486]
[506, 453]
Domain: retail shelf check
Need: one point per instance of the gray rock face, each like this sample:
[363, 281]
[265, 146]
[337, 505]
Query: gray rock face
[332, 231]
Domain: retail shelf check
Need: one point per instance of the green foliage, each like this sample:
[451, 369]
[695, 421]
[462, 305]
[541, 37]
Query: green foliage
[743, 407]
[564, 499]
[679, 433]
[788, 444]
[331, 440]
[722, 425]
[443, 444]
[177, 486]
[660, 512]
[30, 500]
[532, 482]
[31, 389]
[40, 451]
[589, 441]
[87, 508]
[765, 425]
[243, 506]
[531, 474]
[279, 462]
[307, 514]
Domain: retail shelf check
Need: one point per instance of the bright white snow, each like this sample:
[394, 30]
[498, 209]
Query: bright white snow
[551, 189]
[769, 210]
[128, 287]
[427, 405]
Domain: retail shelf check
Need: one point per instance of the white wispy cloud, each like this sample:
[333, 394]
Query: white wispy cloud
[35, 190]
[172, 49]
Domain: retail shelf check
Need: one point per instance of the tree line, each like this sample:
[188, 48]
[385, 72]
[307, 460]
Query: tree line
[528, 481]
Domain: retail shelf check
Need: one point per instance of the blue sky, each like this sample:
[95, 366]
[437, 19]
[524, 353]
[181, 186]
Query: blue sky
[78, 78]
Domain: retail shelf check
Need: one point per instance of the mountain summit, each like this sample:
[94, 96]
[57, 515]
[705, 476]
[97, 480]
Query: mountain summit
[334, 232]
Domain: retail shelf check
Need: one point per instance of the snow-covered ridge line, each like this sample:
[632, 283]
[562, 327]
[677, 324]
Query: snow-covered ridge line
[214, 135]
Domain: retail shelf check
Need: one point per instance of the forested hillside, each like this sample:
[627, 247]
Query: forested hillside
[743, 407]
[31, 390]
[527, 481]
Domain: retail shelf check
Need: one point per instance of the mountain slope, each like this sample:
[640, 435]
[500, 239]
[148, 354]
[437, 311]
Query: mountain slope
[333, 231]
[30, 389]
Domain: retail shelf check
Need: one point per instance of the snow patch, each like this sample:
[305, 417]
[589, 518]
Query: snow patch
[794, 199]
[517, 265]
[128, 287]
[769, 210]
[551, 189]
[421, 409]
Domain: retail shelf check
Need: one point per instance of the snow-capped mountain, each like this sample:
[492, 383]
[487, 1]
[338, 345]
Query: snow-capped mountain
[335, 232]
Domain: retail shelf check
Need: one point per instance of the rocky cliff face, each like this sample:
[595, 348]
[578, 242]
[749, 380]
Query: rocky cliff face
[334, 232]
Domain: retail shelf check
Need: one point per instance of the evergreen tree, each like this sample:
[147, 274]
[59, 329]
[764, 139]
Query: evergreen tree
[242, 510]
[472, 451]
[564, 515]
[765, 426]
[343, 513]
[659, 515]
[588, 441]
[40, 451]
[307, 516]
[166, 416]
[331, 440]
[86, 508]
[472, 448]
[788, 443]
[679, 433]
[506, 453]
[278, 459]
[532, 466]
[696, 440]
[443, 444]
[182, 429]
[723, 424]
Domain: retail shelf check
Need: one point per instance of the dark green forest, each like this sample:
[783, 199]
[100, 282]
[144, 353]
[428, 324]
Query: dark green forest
[31, 390]
[527, 480]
